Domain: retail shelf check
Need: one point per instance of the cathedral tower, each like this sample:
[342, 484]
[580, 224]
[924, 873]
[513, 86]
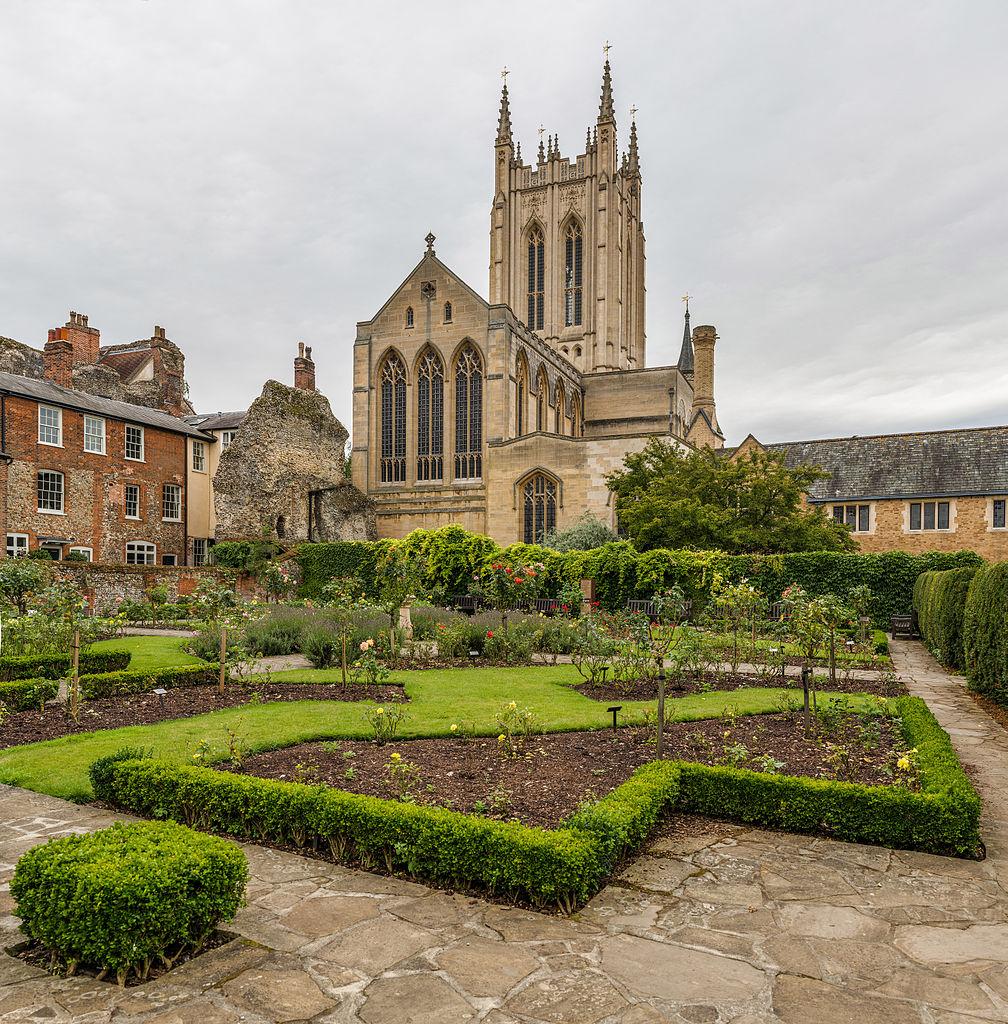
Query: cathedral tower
[567, 242]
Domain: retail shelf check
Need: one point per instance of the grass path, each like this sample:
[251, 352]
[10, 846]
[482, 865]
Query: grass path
[149, 652]
[437, 699]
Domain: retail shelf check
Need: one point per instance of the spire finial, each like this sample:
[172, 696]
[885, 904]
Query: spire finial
[633, 158]
[542, 151]
[504, 137]
[606, 104]
[606, 47]
[430, 239]
[685, 363]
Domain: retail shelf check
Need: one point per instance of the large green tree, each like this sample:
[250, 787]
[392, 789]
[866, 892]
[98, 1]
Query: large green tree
[666, 498]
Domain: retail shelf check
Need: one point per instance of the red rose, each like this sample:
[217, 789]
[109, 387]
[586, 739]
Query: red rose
[489, 633]
[518, 579]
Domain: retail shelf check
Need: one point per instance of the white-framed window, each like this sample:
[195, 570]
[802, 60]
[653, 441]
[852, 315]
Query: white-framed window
[50, 492]
[134, 443]
[17, 545]
[226, 438]
[999, 507]
[139, 552]
[930, 515]
[199, 551]
[94, 434]
[131, 501]
[857, 518]
[86, 552]
[199, 456]
[169, 559]
[171, 503]
[50, 425]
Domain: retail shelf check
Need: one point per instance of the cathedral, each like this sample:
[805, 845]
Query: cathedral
[505, 416]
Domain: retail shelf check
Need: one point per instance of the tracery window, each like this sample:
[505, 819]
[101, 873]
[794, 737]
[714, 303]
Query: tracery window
[393, 421]
[539, 508]
[573, 274]
[521, 395]
[468, 415]
[542, 400]
[536, 279]
[409, 316]
[576, 421]
[558, 420]
[430, 417]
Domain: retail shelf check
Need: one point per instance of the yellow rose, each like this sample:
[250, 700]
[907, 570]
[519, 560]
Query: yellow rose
[903, 763]
[454, 727]
[379, 711]
[395, 757]
[501, 738]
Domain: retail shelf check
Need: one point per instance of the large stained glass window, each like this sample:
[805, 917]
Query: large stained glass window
[393, 421]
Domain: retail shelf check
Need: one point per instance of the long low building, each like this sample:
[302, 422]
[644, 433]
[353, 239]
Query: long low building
[937, 490]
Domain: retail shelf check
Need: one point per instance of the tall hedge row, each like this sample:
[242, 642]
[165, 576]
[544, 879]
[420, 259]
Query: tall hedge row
[621, 572]
[939, 598]
[985, 632]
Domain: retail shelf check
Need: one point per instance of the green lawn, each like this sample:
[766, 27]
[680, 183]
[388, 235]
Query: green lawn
[437, 699]
[149, 652]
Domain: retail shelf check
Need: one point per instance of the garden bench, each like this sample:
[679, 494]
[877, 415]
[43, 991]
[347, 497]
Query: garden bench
[647, 607]
[778, 610]
[545, 606]
[901, 626]
[467, 604]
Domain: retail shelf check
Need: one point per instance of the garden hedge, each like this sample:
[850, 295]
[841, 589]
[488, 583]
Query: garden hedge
[985, 632]
[27, 694]
[621, 572]
[57, 666]
[119, 898]
[939, 598]
[562, 867]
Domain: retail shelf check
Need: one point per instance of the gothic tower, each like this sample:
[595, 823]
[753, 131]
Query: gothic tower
[567, 242]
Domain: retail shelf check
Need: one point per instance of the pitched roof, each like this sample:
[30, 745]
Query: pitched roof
[52, 394]
[938, 463]
[127, 363]
[218, 420]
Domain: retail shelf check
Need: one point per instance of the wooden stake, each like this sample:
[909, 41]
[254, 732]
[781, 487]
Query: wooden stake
[75, 677]
[223, 657]
[660, 745]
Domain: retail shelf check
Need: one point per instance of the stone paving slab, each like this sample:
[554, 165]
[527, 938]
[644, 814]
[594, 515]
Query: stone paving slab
[732, 926]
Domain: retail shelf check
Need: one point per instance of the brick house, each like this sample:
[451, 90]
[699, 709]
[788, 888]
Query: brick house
[939, 490]
[103, 478]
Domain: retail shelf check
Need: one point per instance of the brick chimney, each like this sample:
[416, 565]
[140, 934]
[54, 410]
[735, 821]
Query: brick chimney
[85, 340]
[304, 369]
[57, 359]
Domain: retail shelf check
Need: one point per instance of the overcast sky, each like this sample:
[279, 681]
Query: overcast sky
[829, 181]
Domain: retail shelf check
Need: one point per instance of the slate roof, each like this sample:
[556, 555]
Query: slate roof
[126, 363]
[938, 463]
[218, 420]
[52, 394]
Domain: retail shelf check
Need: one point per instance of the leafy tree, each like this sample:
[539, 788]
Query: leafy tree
[20, 578]
[587, 532]
[704, 500]
[401, 577]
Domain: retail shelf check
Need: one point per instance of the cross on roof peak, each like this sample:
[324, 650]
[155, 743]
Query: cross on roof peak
[430, 239]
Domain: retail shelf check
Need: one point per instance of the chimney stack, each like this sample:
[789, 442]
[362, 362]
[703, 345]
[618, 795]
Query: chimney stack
[705, 430]
[304, 369]
[85, 340]
[57, 359]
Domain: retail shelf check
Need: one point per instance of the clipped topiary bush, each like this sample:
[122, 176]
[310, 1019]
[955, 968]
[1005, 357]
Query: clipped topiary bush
[985, 632]
[124, 898]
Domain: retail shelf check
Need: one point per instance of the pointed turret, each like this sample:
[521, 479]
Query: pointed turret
[606, 112]
[518, 156]
[633, 159]
[504, 137]
[542, 151]
[685, 363]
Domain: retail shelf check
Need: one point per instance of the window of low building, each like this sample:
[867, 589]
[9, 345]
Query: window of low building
[226, 438]
[50, 492]
[929, 515]
[134, 443]
[94, 435]
[50, 425]
[199, 456]
[538, 508]
[131, 500]
[998, 508]
[171, 503]
[86, 553]
[17, 545]
[169, 559]
[199, 551]
[139, 552]
[856, 517]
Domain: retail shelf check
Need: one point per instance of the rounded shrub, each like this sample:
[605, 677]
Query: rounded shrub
[123, 898]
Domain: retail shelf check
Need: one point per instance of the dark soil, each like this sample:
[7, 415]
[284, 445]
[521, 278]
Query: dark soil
[555, 773]
[32, 952]
[647, 689]
[21, 727]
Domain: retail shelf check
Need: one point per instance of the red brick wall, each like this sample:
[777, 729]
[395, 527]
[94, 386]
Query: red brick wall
[94, 485]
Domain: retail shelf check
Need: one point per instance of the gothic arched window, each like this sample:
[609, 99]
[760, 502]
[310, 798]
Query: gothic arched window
[542, 400]
[430, 417]
[468, 415]
[536, 279]
[447, 313]
[577, 427]
[521, 394]
[573, 274]
[558, 420]
[409, 316]
[538, 508]
[393, 421]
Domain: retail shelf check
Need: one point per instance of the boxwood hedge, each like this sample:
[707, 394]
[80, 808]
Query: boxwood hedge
[985, 632]
[621, 572]
[939, 598]
[563, 866]
[118, 899]
[57, 666]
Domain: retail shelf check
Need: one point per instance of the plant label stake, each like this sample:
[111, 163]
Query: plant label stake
[806, 676]
[223, 657]
[75, 677]
[614, 710]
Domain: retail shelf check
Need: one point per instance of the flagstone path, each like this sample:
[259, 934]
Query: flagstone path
[729, 925]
